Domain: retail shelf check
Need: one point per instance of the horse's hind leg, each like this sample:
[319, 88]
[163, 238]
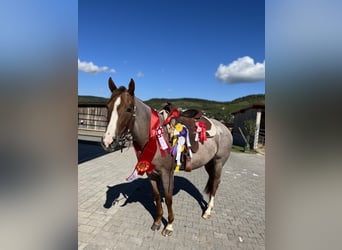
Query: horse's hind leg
[214, 169]
[156, 194]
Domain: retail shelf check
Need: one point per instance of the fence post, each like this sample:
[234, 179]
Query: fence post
[257, 130]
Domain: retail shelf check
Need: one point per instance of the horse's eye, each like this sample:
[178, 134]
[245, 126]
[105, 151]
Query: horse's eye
[129, 110]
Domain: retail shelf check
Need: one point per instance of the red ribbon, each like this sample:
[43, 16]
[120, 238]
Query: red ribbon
[147, 154]
[174, 114]
[203, 134]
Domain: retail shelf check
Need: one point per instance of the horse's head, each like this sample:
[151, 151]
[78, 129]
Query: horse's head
[166, 110]
[121, 114]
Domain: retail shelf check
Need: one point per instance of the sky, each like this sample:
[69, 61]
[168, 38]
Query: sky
[212, 50]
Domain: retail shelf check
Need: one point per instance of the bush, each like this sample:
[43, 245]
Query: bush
[250, 127]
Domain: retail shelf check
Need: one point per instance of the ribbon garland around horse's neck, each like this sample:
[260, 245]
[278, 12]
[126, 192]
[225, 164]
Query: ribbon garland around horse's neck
[156, 131]
[149, 150]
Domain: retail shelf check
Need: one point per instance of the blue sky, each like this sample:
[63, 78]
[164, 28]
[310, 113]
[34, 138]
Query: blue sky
[213, 50]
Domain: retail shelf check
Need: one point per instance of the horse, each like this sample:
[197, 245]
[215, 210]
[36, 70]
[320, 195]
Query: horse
[128, 115]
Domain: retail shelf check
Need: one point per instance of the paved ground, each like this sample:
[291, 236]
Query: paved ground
[114, 214]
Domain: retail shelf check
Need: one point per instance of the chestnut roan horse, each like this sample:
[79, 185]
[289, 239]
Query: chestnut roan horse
[129, 115]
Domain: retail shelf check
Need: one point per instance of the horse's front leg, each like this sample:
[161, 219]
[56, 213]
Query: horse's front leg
[168, 183]
[156, 194]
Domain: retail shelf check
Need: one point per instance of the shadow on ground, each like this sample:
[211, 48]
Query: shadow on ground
[88, 150]
[140, 190]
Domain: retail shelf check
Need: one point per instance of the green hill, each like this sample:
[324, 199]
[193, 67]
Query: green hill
[217, 110]
[89, 100]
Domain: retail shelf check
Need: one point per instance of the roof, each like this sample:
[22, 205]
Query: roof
[254, 106]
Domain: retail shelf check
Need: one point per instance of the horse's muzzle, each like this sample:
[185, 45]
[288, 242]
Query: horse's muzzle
[110, 147]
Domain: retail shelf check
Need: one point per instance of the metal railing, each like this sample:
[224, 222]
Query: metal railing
[261, 139]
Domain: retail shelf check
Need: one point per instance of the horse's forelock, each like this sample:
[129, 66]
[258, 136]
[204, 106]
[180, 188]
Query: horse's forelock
[117, 92]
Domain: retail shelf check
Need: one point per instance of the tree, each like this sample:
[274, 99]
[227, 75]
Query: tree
[250, 127]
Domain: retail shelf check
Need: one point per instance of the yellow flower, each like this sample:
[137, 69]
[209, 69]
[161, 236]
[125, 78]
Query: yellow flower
[179, 127]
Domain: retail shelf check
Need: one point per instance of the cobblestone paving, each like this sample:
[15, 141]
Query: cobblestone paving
[114, 214]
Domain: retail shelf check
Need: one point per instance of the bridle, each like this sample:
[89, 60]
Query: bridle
[126, 137]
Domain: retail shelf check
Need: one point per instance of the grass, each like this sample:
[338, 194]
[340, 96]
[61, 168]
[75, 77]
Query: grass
[240, 149]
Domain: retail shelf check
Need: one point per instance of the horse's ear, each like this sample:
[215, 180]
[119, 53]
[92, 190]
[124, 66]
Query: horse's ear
[131, 87]
[111, 84]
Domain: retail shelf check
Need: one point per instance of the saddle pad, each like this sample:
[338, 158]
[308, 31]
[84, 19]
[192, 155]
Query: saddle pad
[211, 130]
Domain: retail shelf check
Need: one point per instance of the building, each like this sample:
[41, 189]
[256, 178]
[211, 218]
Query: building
[92, 121]
[256, 113]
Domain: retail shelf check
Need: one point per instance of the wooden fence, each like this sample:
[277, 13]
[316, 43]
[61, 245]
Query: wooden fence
[92, 122]
[92, 118]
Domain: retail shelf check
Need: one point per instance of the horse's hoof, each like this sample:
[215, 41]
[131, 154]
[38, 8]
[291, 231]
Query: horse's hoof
[155, 226]
[206, 216]
[167, 232]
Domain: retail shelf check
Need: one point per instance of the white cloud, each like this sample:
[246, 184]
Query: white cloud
[91, 68]
[140, 74]
[241, 70]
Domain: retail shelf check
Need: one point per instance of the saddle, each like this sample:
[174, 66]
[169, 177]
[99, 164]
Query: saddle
[191, 118]
[198, 128]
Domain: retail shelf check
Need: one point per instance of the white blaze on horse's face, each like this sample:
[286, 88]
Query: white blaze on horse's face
[112, 125]
[164, 114]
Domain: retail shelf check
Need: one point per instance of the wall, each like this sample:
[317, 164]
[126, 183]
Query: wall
[239, 119]
[92, 118]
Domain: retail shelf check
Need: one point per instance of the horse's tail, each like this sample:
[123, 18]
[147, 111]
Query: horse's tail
[209, 187]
